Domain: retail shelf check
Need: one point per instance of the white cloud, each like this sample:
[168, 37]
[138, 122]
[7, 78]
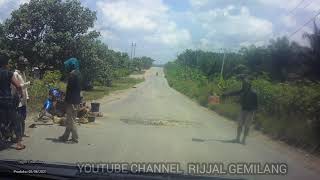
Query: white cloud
[148, 20]
[107, 34]
[288, 21]
[220, 24]
[132, 15]
[170, 35]
[245, 44]
[2, 2]
[6, 6]
[257, 43]
[295, 5]
[198, 3]
[314, 6]
[209, 45]
[160, 30]
[283, 4]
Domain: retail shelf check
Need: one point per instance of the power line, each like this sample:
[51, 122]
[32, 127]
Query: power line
[307, 5]
[299, 29]
[296, 6]
[294, 14]
[271, 36]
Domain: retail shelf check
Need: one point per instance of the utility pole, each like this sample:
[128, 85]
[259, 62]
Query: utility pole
[134, 49]
[131, 51]
[224, 56]
[221, 84]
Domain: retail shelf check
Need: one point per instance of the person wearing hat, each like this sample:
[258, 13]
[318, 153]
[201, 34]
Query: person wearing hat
[20, 76]
[72, 99]
[249, 104]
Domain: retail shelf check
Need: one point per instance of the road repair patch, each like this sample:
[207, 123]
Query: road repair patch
[159, 122]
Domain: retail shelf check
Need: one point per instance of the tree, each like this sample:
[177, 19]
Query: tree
[42, 30]
[280, 51]
[48, 32]
[313, 54]
[256, 60]
[2, 37]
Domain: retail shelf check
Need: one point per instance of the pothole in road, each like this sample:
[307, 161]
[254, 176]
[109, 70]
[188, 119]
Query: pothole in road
[198, 140]
[159, 122]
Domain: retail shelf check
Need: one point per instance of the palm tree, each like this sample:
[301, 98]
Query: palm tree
[313, 54]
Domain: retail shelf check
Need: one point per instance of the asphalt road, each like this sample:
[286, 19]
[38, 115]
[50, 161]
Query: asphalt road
[154, 123]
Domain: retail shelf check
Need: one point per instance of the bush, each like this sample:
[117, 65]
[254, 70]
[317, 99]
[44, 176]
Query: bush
[286, 111]
[202, 95]
[117, 73]
[230, 84]
[38, 91]
[229, 110]
[51, 78]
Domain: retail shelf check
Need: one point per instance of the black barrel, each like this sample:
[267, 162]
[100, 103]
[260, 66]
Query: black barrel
[95, 107]
[91, 118]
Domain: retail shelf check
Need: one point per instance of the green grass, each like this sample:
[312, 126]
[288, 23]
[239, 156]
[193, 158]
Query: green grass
[96, 93]
[39, 92]
[101, 91]
[138, 72]
[229, 110]
[286, 112]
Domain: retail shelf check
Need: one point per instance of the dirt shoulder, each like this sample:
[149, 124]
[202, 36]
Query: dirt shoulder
[121, 90]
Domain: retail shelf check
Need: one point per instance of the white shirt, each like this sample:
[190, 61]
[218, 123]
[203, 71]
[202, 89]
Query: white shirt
[21, 79]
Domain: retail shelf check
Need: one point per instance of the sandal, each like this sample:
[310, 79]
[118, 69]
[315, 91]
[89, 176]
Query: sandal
[74, 141]
[20, 147]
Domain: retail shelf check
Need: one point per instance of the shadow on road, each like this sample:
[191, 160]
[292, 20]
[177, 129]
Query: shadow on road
[6, 145]
[55, 140]
[218, 140]
[34, 125]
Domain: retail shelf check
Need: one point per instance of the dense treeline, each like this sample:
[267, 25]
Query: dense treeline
[284, 74]
[281, 61]
[47, 31]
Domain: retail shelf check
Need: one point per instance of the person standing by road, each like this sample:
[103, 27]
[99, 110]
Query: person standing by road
[20, 76]
[249, 104]
[72, 99]
[8, 103]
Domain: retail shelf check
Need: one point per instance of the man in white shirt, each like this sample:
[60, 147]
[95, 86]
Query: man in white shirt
[19, 75]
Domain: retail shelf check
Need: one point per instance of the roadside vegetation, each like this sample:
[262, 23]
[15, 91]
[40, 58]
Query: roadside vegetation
[284, 74]
[99, 91]
[45, 31]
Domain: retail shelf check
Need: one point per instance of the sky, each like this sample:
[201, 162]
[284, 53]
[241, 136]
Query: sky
[163, 28]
